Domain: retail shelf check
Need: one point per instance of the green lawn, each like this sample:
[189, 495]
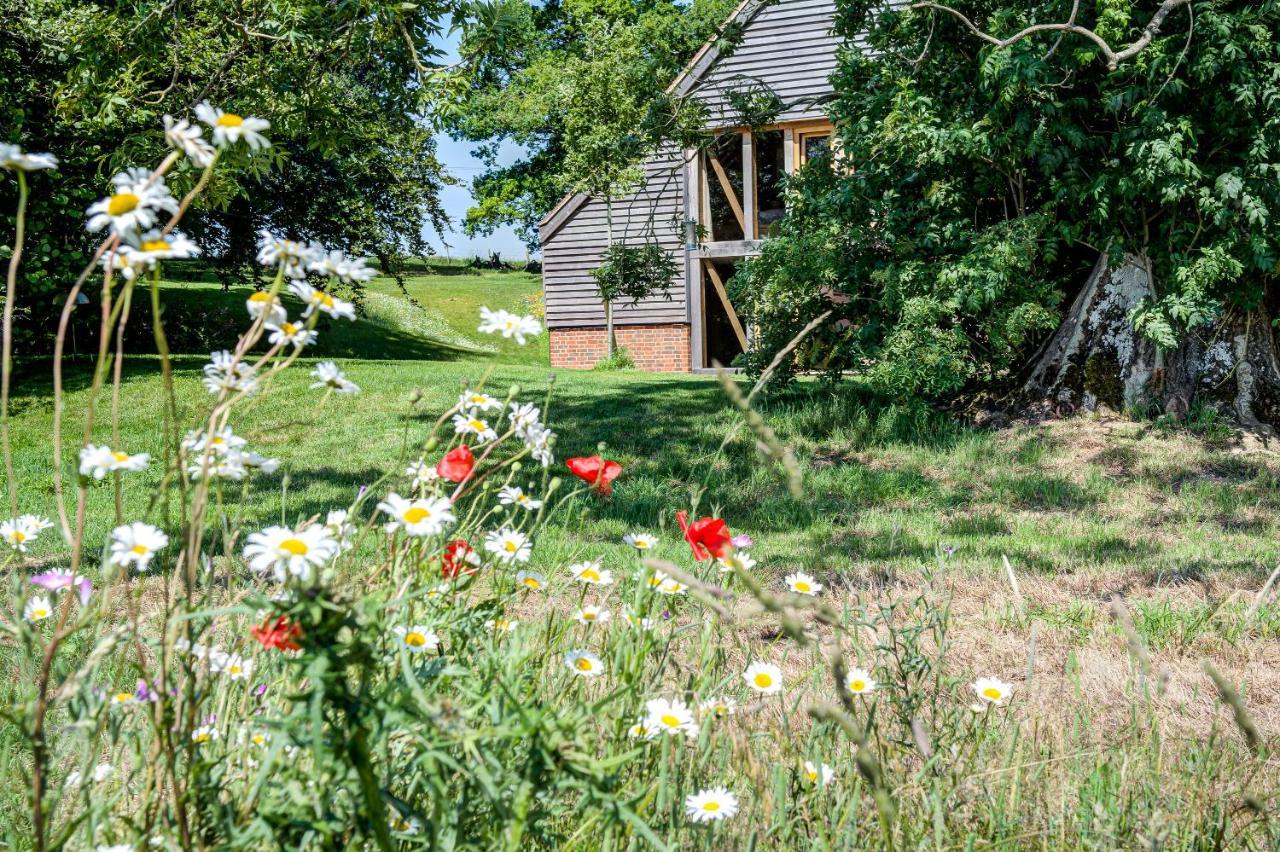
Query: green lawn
[1085, 510]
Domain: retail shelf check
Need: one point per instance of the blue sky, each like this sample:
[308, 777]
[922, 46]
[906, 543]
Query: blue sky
[457, 158]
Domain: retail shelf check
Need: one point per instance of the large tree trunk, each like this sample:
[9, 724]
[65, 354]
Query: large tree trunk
[1095, 358]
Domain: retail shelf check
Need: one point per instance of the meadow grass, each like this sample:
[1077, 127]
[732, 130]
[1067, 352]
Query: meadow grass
[1112, 738]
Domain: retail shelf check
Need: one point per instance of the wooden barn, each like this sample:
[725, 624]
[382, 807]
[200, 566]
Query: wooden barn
[732, 189]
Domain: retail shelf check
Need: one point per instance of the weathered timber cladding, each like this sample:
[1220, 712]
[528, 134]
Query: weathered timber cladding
[655, 211]
[787, 48]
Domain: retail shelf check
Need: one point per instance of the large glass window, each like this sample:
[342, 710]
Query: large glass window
[771, 168]
[722, 183]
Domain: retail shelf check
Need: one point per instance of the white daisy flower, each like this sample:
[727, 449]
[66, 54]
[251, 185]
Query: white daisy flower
[223, 441]
[992, 690]
[289, 552]
[15, 159]
[539, 442]
[128, 264]
[637, 621]
[422, 474]
[288, 332]
[338, 525]
[737, 560]
[290, 255]
[38, 608]
[530, 580]
[525, 417]
[19, 532]
[98, 461]
[319, 300]
[182, 135]
[711, 805]
[225, 372]
[764, 678]
[341, 267]
[664, 584]
[417, 638]
[233, 666]
[204, 735]
[509, 325]
[584, 663]
[230, 128]
[101, 772]
[591, 573]
[591, 614]
[641, 540]
[476, 401]
[328, 375]
[719, 707]
[513, 496]
[229, 465]
[422, 517]
[254, 461]
[403, 825]
[859, 682]
[501, 625]
[643, 730]
[135, 544]
[803, 584]
[471, 424]
[260, 302]
[135, 199]
[509, 545]
[670, 716]
[156, 245]
[818, 773]
[124, 698]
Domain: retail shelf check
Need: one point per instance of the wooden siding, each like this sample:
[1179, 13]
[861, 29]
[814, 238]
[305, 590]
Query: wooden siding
[570, 253]
[788, 48]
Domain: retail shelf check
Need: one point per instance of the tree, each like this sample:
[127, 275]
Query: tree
[345, 86]
[1042, 216]
[514, 85]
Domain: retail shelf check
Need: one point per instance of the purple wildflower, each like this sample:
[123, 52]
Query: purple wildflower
[57, 580]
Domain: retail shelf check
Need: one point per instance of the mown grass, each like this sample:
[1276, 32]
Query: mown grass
[1085, 510]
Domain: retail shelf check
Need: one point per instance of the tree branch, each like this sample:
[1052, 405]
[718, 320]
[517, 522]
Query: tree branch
[1113, 57]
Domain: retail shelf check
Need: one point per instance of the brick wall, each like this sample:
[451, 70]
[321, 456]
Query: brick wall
[660, 348]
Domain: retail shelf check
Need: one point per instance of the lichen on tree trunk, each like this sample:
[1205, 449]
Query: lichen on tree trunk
[1096, 358]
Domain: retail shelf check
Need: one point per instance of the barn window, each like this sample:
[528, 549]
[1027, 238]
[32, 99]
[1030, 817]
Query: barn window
[723, 213]
[770, 169]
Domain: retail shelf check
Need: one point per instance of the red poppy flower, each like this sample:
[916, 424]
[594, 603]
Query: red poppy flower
[707, 537]
[595, 471]
[279, 635]
[459, 558]
[457, 464]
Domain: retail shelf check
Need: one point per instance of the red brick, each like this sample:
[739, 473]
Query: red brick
[659, 348]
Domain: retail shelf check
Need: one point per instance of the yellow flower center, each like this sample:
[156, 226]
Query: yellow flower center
[510, 546]
[234, 669]
[202, 738]
[670, 721]
[123, 697]
[324, 299]
[711, 807]
[260, 296]
[415, 515]
[802, 586]
[478, 425]
[294, 547]
[415, 640]
[992, 693]
[532, 583]
[398, 824]
[857, 686]
[120, 457]
[763, 680]
[259, 739]
[503, 624]
[641, 544]
[230, 119]
[588, 616]
[583, 664]
[155, 245]
[219, 441]
[18, 536]
[140, 549]
[289, 328]
[39, 613]
[122, 203]
[590, 574]
[811, 774]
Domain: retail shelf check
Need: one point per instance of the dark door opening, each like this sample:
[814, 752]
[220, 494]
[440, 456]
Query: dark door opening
[723, 335]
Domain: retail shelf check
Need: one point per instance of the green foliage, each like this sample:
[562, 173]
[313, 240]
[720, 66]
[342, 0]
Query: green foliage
[976, 187]
[340, 83]
[631, 273]
[620, 360]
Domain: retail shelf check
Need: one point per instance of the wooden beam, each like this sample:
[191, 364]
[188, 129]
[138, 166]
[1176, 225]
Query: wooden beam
[728, 306]
[729, 193]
